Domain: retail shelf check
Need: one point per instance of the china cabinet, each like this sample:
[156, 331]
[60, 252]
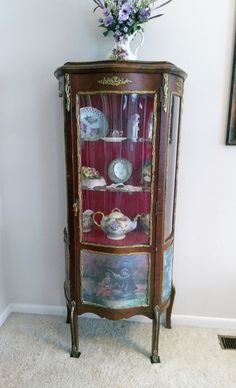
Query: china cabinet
[122, 123]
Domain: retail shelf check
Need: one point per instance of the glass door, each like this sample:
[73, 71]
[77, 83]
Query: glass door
[116, 137]
[172, 165]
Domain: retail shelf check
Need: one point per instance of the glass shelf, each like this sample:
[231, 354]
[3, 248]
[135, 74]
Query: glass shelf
[118, 141]
[97, 236]
[116, 190]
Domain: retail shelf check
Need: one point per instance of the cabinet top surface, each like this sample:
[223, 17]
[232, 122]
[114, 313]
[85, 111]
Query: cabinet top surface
[119, 67]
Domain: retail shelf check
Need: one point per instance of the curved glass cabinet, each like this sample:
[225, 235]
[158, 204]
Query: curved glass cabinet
[122, 124]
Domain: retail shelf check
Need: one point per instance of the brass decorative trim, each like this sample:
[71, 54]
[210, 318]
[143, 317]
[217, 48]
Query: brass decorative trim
[67, 92]
[179, 86]
[98, 92]
[76, 207]
[92, 244]
[165, 92]
[114, 81]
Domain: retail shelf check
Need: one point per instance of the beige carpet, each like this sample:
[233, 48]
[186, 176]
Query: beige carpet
[34, 354]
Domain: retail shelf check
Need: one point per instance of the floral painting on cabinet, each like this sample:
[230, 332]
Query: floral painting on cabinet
[167, 273]
[115, 281]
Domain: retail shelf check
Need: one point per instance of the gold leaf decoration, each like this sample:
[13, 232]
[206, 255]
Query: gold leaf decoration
[114, 81]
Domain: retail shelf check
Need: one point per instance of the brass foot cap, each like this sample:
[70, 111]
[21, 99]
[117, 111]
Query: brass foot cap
[155, 360]
[75, 354]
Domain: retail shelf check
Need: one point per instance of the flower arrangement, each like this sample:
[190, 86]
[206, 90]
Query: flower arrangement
[125, 17]
[90, 173]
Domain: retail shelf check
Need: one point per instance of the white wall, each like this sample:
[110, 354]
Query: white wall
[3, 282]
[39, 35]
[3, 273]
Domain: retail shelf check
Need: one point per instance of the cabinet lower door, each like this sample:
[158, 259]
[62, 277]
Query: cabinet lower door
[115, 280]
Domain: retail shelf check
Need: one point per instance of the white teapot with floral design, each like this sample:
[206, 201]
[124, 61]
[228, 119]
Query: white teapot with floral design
[116, 225]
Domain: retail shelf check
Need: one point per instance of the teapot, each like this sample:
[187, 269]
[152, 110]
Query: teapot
[115, 224]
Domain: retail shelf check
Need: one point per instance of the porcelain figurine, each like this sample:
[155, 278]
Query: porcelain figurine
[116, 225]
[150, 126]
[133, 126]
[87, 220]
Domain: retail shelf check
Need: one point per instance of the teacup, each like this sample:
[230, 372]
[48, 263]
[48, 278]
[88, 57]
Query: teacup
[117, 133]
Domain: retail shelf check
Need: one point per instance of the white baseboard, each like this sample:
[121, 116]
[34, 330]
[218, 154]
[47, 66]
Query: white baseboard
[207, 322]
[4, 315]
[177, 319]
[38, 309]
[31, 309]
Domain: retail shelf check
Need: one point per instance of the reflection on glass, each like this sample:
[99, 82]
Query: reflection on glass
[115, 140]
[171, 165]
[115, 281]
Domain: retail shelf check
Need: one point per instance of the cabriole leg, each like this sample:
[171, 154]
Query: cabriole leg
[155, 336]
[68, 303]
[169, 309]
[74, 331]
[68, 314]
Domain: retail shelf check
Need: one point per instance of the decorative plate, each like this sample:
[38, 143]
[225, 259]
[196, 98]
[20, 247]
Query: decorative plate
[114, 139]
[146, 172]
[120, 170]
[93, 124]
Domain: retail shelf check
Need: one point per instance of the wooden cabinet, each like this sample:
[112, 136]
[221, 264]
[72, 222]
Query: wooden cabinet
[122, 123]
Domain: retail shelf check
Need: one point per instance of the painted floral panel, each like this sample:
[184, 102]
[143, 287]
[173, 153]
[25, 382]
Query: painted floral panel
[167, 272]
[115, 281]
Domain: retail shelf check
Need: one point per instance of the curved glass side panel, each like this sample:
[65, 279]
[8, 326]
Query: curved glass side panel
[115, 281]
[167, 273]
[171, 165]
[116, 133]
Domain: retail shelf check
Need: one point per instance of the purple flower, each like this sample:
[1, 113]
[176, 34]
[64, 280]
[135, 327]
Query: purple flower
[125, 11]
[108, 20]
[144, 14]
[114, 225]
[106, 11]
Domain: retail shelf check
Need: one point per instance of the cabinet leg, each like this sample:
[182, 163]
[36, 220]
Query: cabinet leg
[169, 309]
[74, 331]
[68, 303]
[68, 314]
[155, 359]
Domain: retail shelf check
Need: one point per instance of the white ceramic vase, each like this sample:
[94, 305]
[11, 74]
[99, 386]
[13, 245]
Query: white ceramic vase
[122, 51]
